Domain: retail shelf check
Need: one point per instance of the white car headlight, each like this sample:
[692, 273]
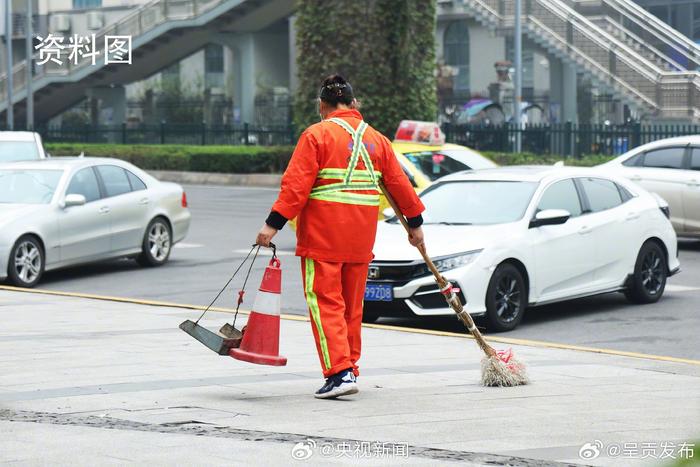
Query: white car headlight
[456, 261]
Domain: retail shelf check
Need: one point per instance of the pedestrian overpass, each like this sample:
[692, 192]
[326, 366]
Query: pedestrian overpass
[619, 46]
[163, 32]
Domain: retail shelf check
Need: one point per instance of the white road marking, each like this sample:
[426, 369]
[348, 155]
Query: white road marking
[680, 288]
[188, 245]
[265, 252]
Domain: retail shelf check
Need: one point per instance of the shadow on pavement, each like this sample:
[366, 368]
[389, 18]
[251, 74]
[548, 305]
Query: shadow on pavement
[603, 305]
[689, 244]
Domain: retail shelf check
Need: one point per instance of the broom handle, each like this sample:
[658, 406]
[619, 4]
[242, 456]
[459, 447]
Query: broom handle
[455, 304]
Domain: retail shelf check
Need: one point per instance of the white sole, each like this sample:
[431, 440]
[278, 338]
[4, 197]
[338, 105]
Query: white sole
[344, 389]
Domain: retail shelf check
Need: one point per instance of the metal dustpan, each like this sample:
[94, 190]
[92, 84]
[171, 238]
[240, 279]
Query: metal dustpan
[216, 342]
[228, 337]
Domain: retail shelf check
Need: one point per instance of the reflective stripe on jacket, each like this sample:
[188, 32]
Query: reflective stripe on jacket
[330, 186]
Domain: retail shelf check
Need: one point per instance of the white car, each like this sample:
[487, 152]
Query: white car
[514, 237]
[64, 211]
[20, 146]
[671, 168]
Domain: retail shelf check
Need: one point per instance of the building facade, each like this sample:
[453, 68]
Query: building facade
[243, 68]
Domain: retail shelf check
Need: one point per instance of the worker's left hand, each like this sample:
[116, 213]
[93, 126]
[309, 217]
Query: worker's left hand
[415, 236]
[265, 235]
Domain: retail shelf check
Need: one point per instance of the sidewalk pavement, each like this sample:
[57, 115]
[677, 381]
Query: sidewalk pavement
[92, 382]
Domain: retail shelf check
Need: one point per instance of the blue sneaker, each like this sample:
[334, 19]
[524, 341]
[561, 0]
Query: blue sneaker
[339, 384]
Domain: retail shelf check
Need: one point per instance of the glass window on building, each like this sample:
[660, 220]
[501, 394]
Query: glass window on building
[84, 4]
[456, 45]
[660, 11]
[696, 23]
[676, 13]
[214, 65]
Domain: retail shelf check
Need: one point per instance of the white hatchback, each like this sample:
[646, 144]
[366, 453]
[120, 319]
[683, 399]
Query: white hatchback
[671, 168]
[514, 237]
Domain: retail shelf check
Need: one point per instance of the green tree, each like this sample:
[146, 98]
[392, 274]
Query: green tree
[385, 48]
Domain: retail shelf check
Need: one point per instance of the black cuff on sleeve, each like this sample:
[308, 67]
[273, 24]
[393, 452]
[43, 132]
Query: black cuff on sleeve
[276, 220]
[415, 222]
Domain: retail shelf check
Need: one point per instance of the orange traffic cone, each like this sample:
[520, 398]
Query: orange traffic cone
[261, 338]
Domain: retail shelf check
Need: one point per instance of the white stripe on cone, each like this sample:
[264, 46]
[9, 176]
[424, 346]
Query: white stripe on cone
[267, 303]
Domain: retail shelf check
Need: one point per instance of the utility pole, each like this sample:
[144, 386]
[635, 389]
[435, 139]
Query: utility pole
[8, 44]
[29, 52]
[518, 83]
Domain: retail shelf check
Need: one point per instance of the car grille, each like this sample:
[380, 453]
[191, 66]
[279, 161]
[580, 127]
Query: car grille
[429, 296]
[396, 271]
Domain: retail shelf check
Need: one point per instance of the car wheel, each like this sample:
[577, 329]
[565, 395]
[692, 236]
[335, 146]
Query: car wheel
[26, 262]
[157, 243]
[506, 298]
[648, 281]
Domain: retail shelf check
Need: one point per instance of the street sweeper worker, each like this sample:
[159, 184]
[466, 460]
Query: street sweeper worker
[331, 187]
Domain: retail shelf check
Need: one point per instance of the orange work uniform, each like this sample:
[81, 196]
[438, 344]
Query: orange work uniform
[330, 186]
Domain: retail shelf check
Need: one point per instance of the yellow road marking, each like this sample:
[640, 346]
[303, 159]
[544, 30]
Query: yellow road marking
[387, 327]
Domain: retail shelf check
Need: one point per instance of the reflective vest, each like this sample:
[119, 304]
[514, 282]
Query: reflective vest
[351, 179]
[335, 202]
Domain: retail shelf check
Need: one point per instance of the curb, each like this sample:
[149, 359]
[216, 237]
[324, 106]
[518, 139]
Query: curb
[211, 178]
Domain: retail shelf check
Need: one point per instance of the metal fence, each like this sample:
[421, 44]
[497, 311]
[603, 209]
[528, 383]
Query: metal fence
[557, 139]
[564, 139]
[164, 133]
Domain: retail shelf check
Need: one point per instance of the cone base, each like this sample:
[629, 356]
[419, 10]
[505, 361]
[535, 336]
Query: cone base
[259, 359]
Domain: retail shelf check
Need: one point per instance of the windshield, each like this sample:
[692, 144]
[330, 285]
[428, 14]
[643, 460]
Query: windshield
[436, 164]
[476, 202]
[18, 151]
[22, 186]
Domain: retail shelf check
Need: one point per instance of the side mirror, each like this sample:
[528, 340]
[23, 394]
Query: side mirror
[388, 212]
[74, 200]
[550, 217]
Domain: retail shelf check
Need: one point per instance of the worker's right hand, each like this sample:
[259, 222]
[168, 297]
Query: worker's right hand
[415, 236]
[265, 235]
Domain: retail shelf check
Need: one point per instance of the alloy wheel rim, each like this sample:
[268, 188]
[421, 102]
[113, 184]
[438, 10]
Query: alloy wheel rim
[28, 262]
[508, 299]
[652, 272]
[159, 241]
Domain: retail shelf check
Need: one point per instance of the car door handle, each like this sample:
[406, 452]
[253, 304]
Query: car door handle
[693, 182]
[104, 209]
[585, 230]
[635, 178]
[632, 216]
[144, 201]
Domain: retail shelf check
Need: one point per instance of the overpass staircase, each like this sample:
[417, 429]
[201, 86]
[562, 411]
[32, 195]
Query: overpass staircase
[621, 48]
[162, 31]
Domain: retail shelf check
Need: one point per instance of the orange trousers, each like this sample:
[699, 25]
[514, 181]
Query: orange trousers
[335, 293]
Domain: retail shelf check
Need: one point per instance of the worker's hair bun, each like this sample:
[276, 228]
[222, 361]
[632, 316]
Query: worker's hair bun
[336, 90]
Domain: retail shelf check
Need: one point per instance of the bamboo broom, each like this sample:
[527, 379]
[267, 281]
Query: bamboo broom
[498, 368]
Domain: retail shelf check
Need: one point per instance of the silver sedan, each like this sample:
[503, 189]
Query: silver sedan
[66, 211]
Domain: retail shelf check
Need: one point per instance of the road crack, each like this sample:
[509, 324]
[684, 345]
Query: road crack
[196, 428]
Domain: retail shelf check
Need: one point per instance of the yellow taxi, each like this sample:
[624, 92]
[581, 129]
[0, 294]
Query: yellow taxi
[424, 156]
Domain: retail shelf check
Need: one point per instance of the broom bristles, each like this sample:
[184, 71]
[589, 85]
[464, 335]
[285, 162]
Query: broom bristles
[503, 370]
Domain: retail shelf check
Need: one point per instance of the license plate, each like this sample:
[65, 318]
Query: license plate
[379, 293]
